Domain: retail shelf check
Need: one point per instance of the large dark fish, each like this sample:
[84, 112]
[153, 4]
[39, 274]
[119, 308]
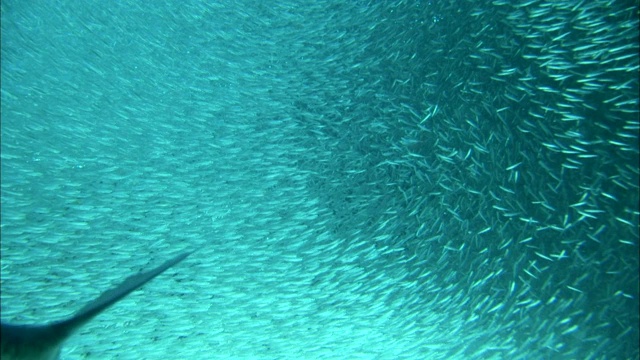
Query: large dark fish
[43, 342]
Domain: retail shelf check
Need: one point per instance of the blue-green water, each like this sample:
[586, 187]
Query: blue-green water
[367, 180]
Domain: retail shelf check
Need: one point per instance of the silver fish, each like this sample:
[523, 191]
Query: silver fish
[43, 342]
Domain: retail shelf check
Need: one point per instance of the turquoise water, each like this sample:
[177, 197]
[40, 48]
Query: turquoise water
[366, 180]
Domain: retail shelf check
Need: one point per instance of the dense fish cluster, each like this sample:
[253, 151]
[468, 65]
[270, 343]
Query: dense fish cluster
[365, 180]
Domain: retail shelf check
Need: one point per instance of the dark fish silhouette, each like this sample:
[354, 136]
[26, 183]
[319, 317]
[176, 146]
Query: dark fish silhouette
[43, 342]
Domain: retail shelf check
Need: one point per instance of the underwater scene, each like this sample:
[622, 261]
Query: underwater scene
[393, 179]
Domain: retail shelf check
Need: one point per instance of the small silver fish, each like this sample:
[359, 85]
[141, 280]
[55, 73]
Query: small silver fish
[43, 342]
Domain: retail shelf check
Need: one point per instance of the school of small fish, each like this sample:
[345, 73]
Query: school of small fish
[366, 179]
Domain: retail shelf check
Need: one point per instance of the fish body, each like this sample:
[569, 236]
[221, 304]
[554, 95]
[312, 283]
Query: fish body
[43, 342]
